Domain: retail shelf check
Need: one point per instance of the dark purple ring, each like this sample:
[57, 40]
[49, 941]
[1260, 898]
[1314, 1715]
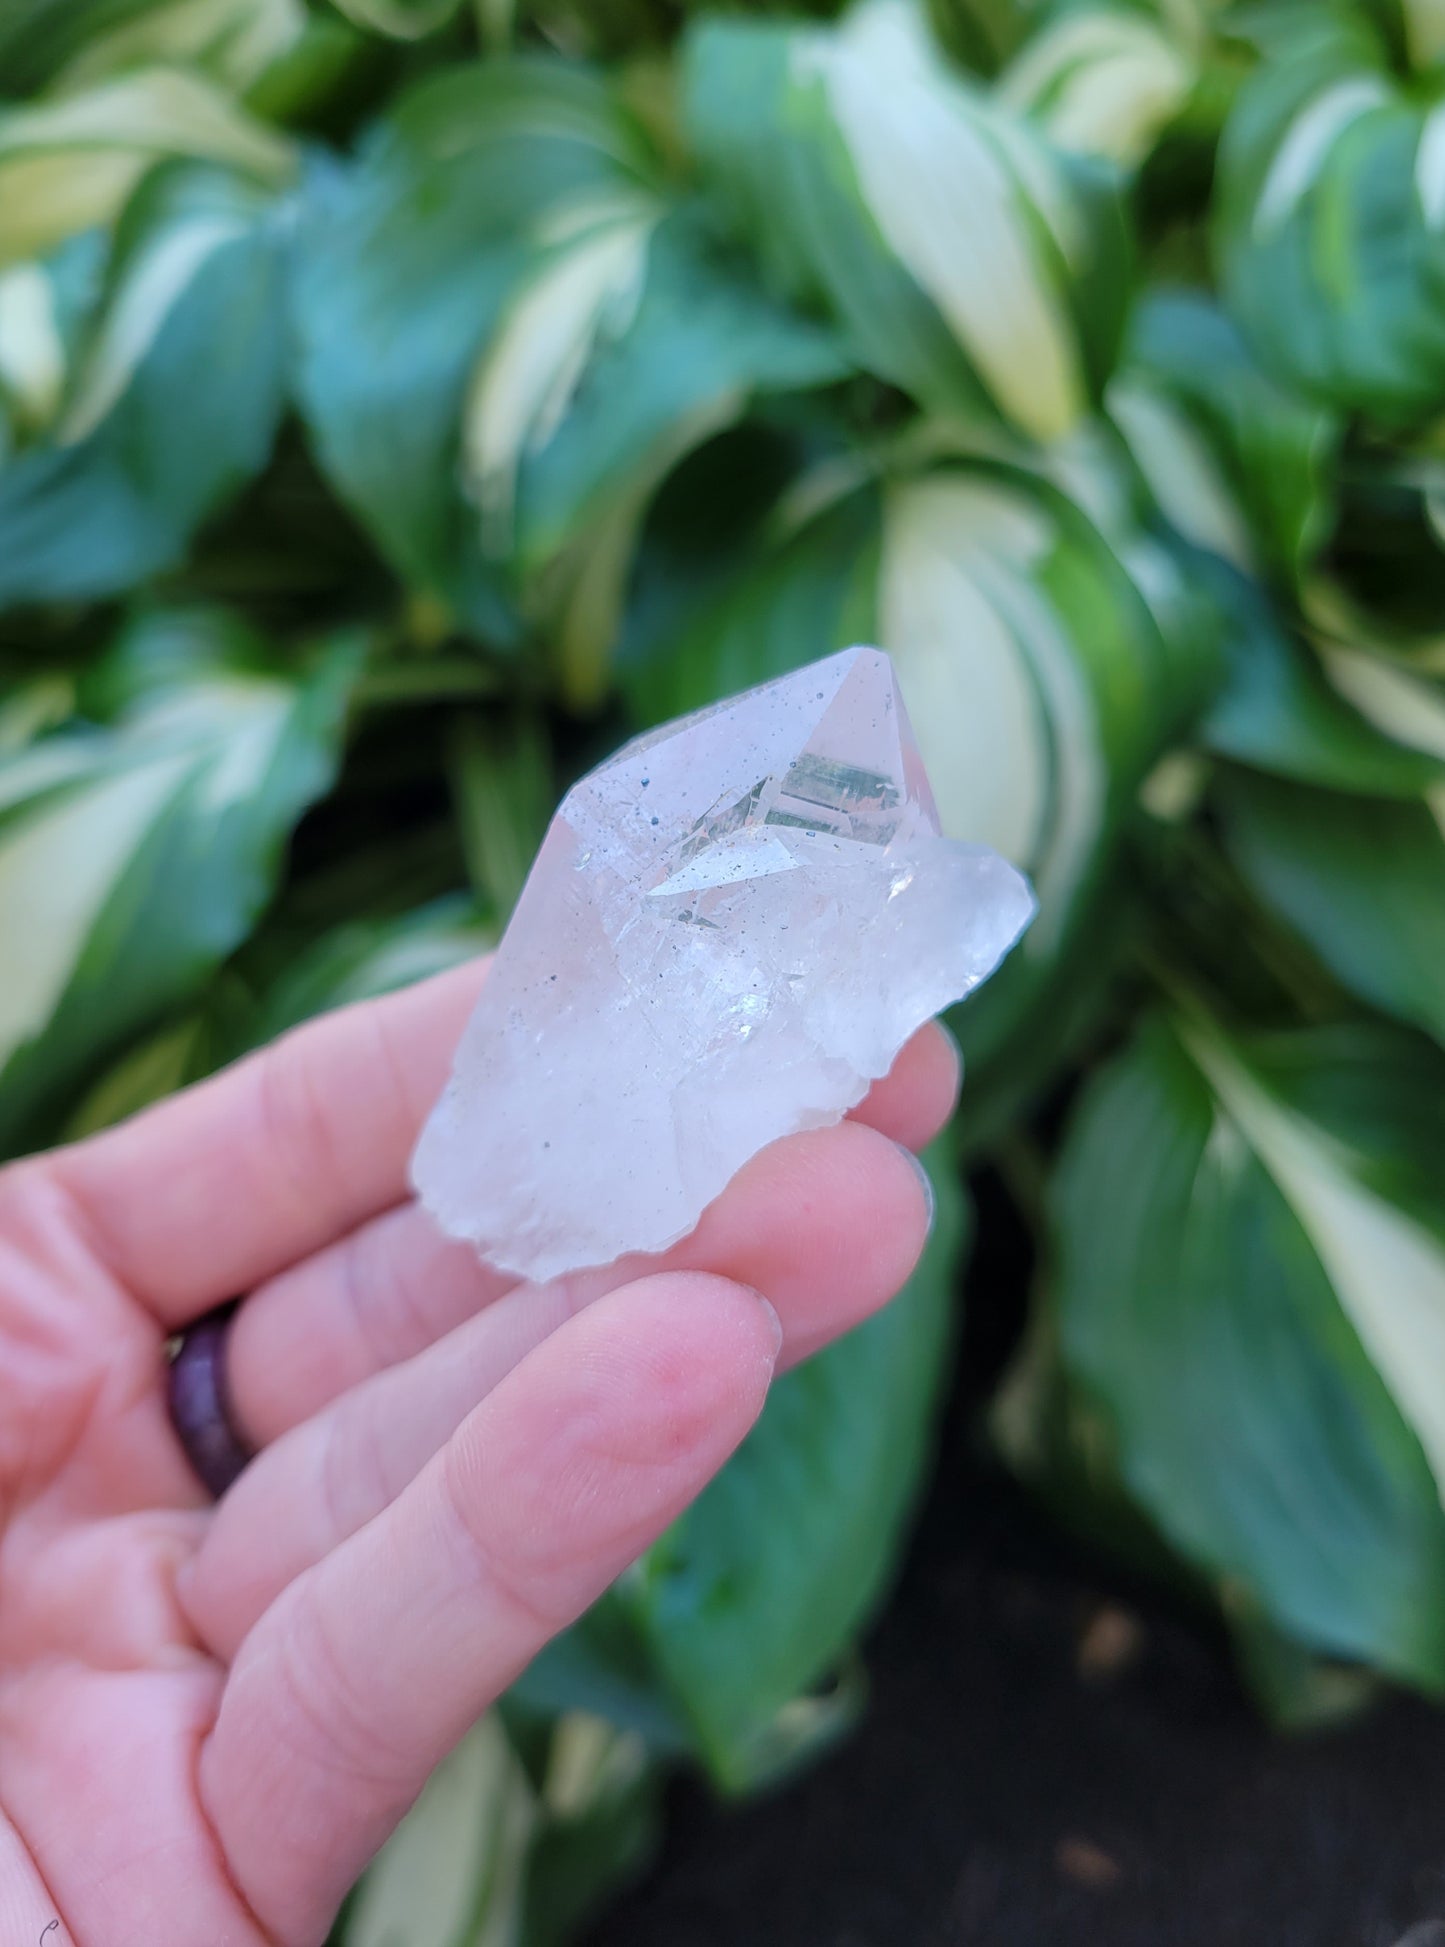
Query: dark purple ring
[199, 1401]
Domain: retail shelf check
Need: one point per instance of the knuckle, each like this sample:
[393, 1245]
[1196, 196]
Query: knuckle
[483, 1558]
[354, 1482]
[334, 1721]
[296, 1127]
[384, 1297]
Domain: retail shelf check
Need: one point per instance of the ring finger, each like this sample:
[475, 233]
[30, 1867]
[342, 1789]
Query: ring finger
[395, 1285]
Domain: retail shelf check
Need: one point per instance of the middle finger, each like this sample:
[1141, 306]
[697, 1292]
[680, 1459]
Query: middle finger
[827, 1226]
[396, 1285]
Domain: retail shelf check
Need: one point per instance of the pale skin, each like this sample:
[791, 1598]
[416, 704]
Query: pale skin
[212, 1717]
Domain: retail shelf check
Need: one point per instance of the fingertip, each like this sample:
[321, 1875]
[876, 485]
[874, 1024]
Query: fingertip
[775, 1324]
[925, 1186]
[613, 1424]
[919, 1094]
[701, 1330]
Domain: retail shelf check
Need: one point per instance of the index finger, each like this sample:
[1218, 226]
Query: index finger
[234, 1181]
[201, 1197]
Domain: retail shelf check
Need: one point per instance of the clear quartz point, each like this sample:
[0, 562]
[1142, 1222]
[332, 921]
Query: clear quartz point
[731, 929]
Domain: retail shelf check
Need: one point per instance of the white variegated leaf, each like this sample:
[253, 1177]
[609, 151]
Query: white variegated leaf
[1307, 142]
[1329, 218]
[1180, 470]
[1387, 1269]
[585, 290]
[234, 41]
[968, 260]
[47, 197]
[970, 690]
[1001, 706]
[134, 857]
[69, 163]
[1248, 1306]
[582, 591]
[451, 1875]
[1430, 169]
[1402, 705]
[949, 207]
[590, 1761]
[1104, 82]
[32, 354]
[58, 868]
[154, 279]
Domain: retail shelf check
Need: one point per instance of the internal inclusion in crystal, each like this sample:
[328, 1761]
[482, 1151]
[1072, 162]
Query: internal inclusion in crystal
[732, 841]
[731, 929]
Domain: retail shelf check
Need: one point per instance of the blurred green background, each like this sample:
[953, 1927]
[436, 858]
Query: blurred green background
[403, 400]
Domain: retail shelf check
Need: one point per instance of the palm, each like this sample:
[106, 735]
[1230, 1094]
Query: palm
[105, 1691]
[210, 1717]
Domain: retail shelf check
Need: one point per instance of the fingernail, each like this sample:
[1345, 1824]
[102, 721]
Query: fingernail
[774, 1321]
[915, 1163]
[953, 1041]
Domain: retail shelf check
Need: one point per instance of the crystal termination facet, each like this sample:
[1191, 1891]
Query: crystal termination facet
[731, 929]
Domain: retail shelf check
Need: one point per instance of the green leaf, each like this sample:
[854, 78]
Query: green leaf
[175, 405]
[807, 588]
[365, 958]
[969, 264]
[1361, 879]
[1414, 30]
[756, 1592]
[604, 1666]
[602, 1805]
[404, 264]
[503, 784]
[1330, 222]
[134, 859]
[630, 343]
[1243, 1274]
[981, 33]
[540, 324]
[157, 1067]
[1281, 713]
[1237, 463]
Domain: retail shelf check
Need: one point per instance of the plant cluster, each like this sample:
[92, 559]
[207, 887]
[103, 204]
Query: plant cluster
[400, 400]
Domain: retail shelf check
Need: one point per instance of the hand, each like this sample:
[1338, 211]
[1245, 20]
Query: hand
[212, 1716]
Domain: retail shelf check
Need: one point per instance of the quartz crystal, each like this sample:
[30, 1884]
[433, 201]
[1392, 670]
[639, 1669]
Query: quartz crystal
[731, 929]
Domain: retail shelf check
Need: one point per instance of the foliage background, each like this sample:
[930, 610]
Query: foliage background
[400, 400]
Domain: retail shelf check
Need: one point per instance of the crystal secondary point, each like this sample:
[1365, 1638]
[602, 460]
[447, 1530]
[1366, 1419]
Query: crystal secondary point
[731, 929]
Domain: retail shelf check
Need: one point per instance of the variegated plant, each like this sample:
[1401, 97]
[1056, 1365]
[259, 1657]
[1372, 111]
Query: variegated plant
[402, 399]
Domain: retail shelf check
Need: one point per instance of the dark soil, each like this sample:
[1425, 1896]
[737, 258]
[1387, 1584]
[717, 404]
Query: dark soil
[1031, 1776]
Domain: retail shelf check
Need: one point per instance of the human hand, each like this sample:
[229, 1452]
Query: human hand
[211, 1717]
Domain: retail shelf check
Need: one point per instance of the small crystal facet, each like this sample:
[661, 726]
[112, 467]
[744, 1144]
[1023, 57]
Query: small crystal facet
[731, 929]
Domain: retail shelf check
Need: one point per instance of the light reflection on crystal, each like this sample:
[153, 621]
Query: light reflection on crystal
[730, 930]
